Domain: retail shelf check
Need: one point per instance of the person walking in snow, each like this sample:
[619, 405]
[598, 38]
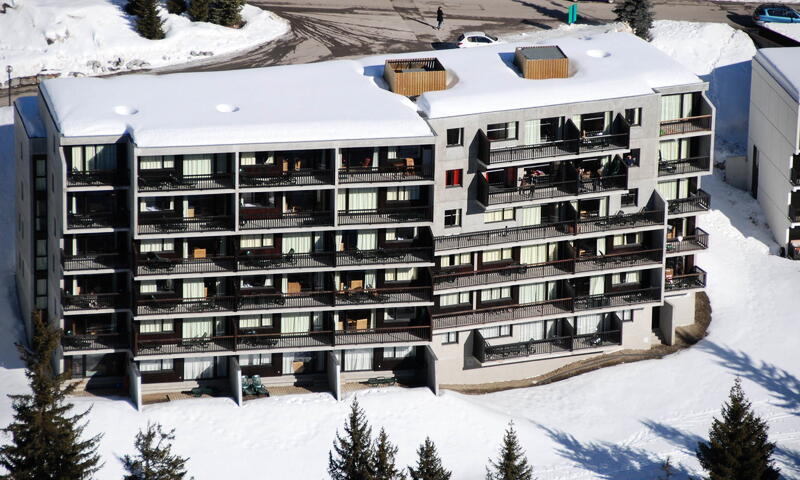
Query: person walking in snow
[439, 18]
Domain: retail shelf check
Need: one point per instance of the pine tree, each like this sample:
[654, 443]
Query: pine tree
[134, 7]
[638, 14]
[738, 446]
[176, 7]
[46, 442]
[199, 10]
[227, 12]
[429, 465]
[154, 460]
[385, 452]
[512, 463]
[148, 24]
[353, 459]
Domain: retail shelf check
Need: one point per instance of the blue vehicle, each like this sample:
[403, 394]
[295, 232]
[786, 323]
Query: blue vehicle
[775, 13]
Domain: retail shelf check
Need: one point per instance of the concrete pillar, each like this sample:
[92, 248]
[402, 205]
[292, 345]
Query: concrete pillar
[430, 365]
[334, 372]
[135, 382]
[235, 377]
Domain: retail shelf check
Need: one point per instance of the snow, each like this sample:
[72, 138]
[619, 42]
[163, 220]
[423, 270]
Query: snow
[788, 30]
[28, 108]
[91, 37]
[784, 65]
[615, 423]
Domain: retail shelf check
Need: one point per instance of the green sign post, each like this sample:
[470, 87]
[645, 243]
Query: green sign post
[572, 14]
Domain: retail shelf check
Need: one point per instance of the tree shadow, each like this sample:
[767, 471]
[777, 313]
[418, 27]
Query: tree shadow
[611, 461]
[685, 440]
[789, 458]
[782, 385]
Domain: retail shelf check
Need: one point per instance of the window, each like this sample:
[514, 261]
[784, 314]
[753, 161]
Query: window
[255, 281]
[452, 218]
[499, 215]
[495, 294]
[255, 321]
[494, 332]
[633, 116]
[399, 352]
[401, 234]
[156, 326]
[455, 137]
[400, 314]
[630, 199]
[628, 239]
[255, 359]
[400, 274]
[625, 278]
[452, 299]
[455, 260]
[256, 241]
[156, 162]
[496, 255]
[397, 194]
[157, 245]
[450, 338]
[502, 131]
[258, 199]
[453, 178]
[163, 365]
[627, 316]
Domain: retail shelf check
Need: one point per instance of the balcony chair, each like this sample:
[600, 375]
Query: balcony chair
[161, 305]
[247, 386]
[157, 262]
[259, 387]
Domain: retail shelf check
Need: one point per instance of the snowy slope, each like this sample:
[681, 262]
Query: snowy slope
[96, 36]
[615, 423]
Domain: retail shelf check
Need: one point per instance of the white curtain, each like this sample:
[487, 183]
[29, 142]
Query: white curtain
[402, 193]
[197, 164]
[533, 132]
[196, 368]
[607, 122]
[512, 129]
[533, 254]
[684, 150]
[148, 286]
[670, 107]
[495, 293]
[197, 327]
[600, 246]
[363, 199]
[247, 158]
[256, 241]
[255, 359]
[193, 288]
[300, 242]
[449, 299]
[399, 352]
[367, 240]
[668, 189]
[576, 119]
[529, 331]
[155, 365]
[358, 359]
[683, 188]
[156, 161]
[686, 108]
[77, 158]
[341, 200]
[369, 279]
[552, 290]
[597, 285]
[101, 157]
[668, 150]
[604, 206]
[532, 293]
[589, 324]
[531, 216]
[295, 322]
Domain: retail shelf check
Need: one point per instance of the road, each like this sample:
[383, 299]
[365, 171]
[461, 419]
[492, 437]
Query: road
[325, 29]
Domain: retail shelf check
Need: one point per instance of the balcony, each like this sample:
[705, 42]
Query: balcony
[268, 301]
[97, 178]
[684, 165]
[503, 313]
[497, 195]
[617, 299]
[290, 219]
[101, 341]
[562, 228]
[619, 260]
[387, 173]
[167, 346]
[681, 126]
[167, 180]
[696, 278]
[374, 296]
[695, 202]
[383, 335]
[156, 305]
[484, 351]
[689, 243]
[153, 264]
[248, 261]
[94, 301]
[384, 256]
[385, 215]
[262, 341]
[551, 149]
[176, 224]
[262, 177]
[94, 261]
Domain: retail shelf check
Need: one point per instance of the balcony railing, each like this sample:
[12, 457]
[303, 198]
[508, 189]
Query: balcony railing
[384, 256]
[485, 352]
[680, 126]
[551, 230]
[371, 296]
[165, 306]
[94, 301]
[619, 260]
[247, 261]
[102, 341]
[385, 215]
[695, 202]
[696, 278]
[382, 335]
[80, 221]
[97, 178]
[276, 178]
[285, 300]
[157, 265]
[601, 142]
[184, 345]
[617, 299]
[387, 173]
[261, 341]
[94, 261]
[698, 241]
[176, 181]
[495, 195]
[684, 165]
[249, 221]
[184, 224]
[528, 152]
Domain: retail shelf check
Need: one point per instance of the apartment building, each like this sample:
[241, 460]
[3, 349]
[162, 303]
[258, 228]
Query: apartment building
[443, 217]
[773, 143]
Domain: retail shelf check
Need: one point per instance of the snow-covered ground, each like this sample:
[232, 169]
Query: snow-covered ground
[617, 423]
[788, 30]
[91, 37]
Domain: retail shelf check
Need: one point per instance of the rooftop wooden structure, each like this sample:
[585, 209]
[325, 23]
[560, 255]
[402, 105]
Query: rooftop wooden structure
[412, 77]
[539, 63]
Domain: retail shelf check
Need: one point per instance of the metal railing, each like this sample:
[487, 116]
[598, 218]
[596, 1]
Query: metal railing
[172, 305]
[510, 273]
[79, 221]
[556, 148]
[371, 296]
[269, 301]
[485, 352]
[684, 165]
[698, 241]
[603, 142]
[162, 265]
[247, 261]
[695, 202]
[95, 178]
[382, 335]
[617, 299]
[696, 278]
[101, 341]
[177, 181]
[260, 341]
[502, 313]
[384, 256]
[618, 260]
[385, 173]
[249, 221]
[385, 215]
[185, 224]
[94, 261]
[94, 301]
[277, 178]
[686, 125]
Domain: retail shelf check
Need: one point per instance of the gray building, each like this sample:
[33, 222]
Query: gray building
[450, 217]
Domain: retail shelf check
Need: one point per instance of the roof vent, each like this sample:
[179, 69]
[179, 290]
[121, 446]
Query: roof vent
[415, 76]
[539, 63]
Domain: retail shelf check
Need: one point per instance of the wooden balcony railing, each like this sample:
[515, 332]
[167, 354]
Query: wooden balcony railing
[101, 341]
[98, 178]
[684, 165]
[385, 215]
[385, 173]
[176, 181]
[697, 241]
[696, 278]
[680, 126]
[185, 224]
[249, 177]
[251, 221]
[695, 202]
[94, 261]
[94, 301]
[485, 352]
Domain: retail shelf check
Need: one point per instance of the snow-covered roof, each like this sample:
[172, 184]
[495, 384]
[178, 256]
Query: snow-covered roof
[28, 108]
[348, 99]
[783, 65]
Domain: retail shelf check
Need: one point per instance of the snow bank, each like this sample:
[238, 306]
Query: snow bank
[91, 37]
[788, 30]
